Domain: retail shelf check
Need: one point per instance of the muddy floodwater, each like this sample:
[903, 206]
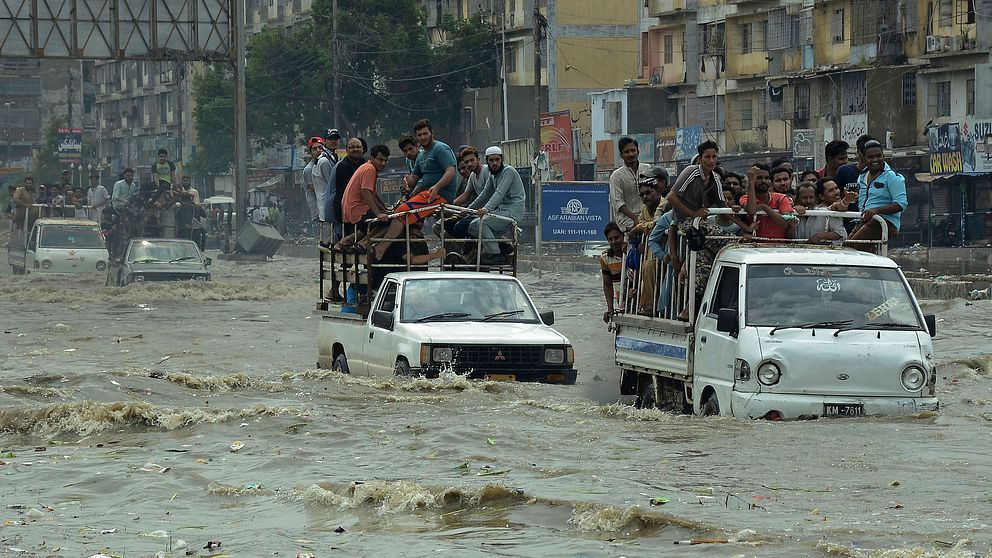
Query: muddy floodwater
[119, 408]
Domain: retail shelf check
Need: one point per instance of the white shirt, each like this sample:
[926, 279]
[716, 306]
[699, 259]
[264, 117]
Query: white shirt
[97, 198]
[625, 192]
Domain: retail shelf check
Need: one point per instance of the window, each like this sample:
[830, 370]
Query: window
[388, 302]
[612, 123]
[669, 49]
[727, 292]
[943, 98]
[747, 114]
[511, 59]
[970, 97]
[744, 31]
[760, 39]
[964, 11]
[713, 39]
[909, 90]
[854, 93]
[837, 26]
[801, 96]
[946, 15]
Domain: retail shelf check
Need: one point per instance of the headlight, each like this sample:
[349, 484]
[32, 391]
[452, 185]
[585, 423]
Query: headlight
[769, 373]
[200, 278]
[442, 354]
[914, 378]
[101, 265]
[139, 277]
[554, 356]
[46, 264]
[742, 370]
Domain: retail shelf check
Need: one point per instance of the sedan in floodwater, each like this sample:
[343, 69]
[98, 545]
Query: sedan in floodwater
[161, 259]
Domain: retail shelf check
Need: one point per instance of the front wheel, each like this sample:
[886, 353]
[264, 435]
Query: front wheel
[340, 364]
[402, 367]
[710, 407]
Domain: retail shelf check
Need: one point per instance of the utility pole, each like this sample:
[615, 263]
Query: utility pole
[506, 116]
[334, 58]
[9, 159]
[69, 98]
[240, 117]
[536, 176]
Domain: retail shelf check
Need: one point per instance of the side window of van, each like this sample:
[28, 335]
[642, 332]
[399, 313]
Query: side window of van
[388, 302]
[726, 293]
[33, 242]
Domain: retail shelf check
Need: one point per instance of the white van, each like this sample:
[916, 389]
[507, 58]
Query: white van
[59, 245]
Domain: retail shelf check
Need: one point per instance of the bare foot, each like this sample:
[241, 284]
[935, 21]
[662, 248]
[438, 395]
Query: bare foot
[438, 254]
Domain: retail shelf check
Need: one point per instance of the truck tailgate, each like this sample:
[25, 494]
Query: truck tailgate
[652, 345]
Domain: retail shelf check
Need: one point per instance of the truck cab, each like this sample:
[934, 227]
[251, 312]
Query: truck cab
[59, 245]
[783, 330]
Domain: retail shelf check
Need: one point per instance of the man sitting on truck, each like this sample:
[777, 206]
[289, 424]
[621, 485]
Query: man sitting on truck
[502, 200]
[778, 220]
[611, 265]
[361, 201]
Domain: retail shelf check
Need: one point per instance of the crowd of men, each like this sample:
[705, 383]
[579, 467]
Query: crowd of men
[160, 208]
[769, 204]
[343, 192]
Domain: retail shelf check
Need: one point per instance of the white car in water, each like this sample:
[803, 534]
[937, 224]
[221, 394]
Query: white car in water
[481, 325]
[58, 245]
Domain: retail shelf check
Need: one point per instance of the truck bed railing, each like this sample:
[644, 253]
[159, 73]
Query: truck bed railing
[341, 270]
[652, 289]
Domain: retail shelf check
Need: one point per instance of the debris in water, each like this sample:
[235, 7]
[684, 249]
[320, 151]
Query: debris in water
[35, 513]
[212, 545]
[462, 466]
[705, 541]
[491, 441]
[236, 446]
[154, 468]
[659, 501]
[895, 483]
[339, 530]
[108, 531]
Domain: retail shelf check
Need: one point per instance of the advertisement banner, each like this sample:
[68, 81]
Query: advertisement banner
[976, 146]
[803, 144]
[556, 141]
[645, 146]
[70, 144]
[606, 154]
[664, 144]
[686, 142]
[945, 150]
[574, 211]
[852, 127]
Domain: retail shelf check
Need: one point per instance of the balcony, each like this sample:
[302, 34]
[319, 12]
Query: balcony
[661, 8]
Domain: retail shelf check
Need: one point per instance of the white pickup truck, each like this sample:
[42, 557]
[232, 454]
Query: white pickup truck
[786, 331]
[482, 325]
[58, 245]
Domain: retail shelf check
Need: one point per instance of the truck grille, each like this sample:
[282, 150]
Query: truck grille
[497, 355]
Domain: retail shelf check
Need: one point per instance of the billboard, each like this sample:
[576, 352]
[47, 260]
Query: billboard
[686, 142]
[664, 144]
[556, 141]
[803, 144]
[976, 146]
[574, 211]
[945, 149]
[70, 144]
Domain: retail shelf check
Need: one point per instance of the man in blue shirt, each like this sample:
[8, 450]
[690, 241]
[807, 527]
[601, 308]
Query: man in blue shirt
[882, 192]
[435, 172]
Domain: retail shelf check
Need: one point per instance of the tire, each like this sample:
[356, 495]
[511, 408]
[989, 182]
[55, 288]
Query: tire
[402, 367]
[647, 392]
[340, 364]
[711, 407]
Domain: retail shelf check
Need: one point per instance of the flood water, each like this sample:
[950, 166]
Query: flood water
[101, 388]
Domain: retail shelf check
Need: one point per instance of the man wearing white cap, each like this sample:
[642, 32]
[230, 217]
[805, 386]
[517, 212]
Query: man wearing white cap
[502, 196]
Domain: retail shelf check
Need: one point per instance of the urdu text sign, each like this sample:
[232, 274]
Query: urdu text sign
[574, 211]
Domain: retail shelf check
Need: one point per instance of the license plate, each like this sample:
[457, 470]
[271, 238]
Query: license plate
[502, 377]
[843, 410]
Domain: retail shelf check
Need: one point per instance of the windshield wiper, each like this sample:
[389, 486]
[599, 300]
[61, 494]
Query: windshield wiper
[146, 260]
[834, 323]
[501, 314]
[182, 259]
[881, 325]
[442, 315]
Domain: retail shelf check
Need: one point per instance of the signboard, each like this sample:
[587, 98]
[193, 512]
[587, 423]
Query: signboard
[664, 144]
[605, 154]
[556, 141]
[945, 150]
[803, 144]
[686, 142]
[976, 146]
[645, 146]
[853, 126]
[574, 211]
[70, 144]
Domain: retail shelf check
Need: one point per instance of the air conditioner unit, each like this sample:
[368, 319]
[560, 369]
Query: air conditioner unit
[933, 44]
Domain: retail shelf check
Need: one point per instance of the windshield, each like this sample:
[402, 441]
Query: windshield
[794, 295]
[68, 236]
[148, 251]
[465, 300]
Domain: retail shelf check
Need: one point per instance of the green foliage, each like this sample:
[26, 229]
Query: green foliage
[390, 76]
[47, 166]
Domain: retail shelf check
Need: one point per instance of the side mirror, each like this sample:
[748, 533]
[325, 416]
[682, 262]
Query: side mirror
[207, 261]
[382, 319]
[118, 261]
[726, 321]
[931, 322]
[548, 317]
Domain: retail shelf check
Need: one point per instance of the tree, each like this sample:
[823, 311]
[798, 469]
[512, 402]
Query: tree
[213, 118]
[47, 166]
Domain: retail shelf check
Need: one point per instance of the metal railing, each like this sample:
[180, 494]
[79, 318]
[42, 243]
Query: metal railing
[655, 289]
[340, 270]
